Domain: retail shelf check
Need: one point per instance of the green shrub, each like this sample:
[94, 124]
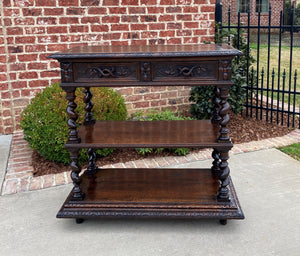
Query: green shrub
[155, 115]
[201, 96]
[44, 121]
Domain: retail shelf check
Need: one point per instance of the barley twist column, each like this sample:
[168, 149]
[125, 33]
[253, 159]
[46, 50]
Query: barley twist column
[76, 169]
[92, 168]
[215, 164]
[72, 114]
[88, 107]
[223, 193]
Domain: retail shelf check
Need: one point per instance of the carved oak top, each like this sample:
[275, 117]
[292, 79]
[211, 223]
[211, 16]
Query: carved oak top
[136, 51]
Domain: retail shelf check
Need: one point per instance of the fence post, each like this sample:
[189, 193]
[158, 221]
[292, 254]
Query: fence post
[218, 12]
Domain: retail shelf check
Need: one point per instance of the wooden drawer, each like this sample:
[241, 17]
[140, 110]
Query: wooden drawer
[99, 72]
[181, 71]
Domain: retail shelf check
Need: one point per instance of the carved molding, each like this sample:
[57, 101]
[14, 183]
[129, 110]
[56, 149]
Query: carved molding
[225, 69]
[183, 71]
[108, 72]
[146, 71]
[66, 72]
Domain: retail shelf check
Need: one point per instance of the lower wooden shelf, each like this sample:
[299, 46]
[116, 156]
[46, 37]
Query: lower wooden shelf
[151, 193]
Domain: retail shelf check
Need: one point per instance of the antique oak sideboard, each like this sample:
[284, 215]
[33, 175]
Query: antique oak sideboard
[149, 193]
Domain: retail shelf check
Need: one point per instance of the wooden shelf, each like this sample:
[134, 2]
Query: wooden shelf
[155, 134]
[144, 193]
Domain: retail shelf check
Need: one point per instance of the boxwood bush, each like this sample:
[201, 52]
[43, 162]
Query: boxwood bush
[44, 121]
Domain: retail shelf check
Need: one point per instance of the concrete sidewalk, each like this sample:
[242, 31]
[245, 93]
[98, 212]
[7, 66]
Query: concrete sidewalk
[5, 142]
[268, 186]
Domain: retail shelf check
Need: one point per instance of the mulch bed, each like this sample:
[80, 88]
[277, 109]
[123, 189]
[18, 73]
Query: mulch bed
[242, 129]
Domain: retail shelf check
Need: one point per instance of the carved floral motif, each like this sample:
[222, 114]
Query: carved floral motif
[185, 71]
[107, 72]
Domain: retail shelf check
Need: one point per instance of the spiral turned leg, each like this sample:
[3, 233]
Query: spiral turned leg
[223, 112]
[215, 164]
[216, 100]
[75, 167]
[88, 107]
[92, 168]
[72, 114]
[223, 193]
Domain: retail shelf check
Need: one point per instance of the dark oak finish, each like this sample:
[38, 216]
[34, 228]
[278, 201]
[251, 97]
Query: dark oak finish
[196, 193]
[156, 134]
[144, 193]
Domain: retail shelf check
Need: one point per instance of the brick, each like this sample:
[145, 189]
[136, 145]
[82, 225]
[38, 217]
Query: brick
[23, 3]
[191, 9]
[35, 30]
[47, 39]
[57, 30]
[79, 29]
[131, 35]
[155, 10]
[17, 67]
[59, 179]
[167, 2]
[152, 96]
[35, 183]
[68, 20]
[129, 18]
[136, 10]
[7, 22]
[68, 2]
[54, 11]
[23, 185]
[149, 34]
[111, 2]
[135, 27]
[52, 73]
[130, 2]
[120, 27]
[157, 26]
[10, 187]
[99, 28]
[134, 98]
[184, 17]
[184, 32]
[149, 18]
[191, 24]
[27, 57]
[117, 10]
[85, 20]
[45, 2]
[140, 164]
[112, 36]
[89, 2]
[97, 10]
[141, 104]
[184, 2]
[48, 180]
[28, 75]
[47, 21]
[6, 3]
[32, 11]
[149, 2]
[38, 83]
[174, 26]
[166, 18]
[173, 9]
[14, 31]
[207, 8]
[35, 48]
[24, 21]
[111, 19]
[170, 33]
[11, 12]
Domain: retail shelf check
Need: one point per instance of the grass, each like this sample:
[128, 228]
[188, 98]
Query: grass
[284, 65]
[292, 150]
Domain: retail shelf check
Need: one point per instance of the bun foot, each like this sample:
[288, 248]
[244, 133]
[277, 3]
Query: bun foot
[79, 221]
[223, 222]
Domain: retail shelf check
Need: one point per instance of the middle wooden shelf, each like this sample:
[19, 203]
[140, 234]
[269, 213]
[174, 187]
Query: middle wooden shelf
[154, 134]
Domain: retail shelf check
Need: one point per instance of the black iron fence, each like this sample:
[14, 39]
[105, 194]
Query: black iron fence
[273, 87]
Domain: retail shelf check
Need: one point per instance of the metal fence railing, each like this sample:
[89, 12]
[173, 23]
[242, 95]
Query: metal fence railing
[273, 87]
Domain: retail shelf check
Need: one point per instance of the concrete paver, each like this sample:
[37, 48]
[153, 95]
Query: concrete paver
[268, 187]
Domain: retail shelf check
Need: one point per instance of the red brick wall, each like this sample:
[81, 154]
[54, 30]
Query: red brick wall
[32, 29]
[276, 5]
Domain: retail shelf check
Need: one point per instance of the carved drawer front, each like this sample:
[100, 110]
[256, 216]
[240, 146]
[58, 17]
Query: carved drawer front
[100, 72]
[185, 70]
